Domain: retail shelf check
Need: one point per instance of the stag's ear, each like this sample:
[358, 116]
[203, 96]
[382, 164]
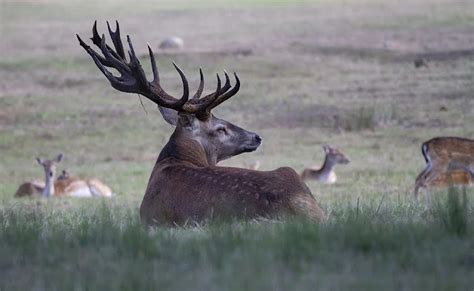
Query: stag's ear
[39, 161]
[169, 115]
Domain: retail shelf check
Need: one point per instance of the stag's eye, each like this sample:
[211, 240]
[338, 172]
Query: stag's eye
[221, 130]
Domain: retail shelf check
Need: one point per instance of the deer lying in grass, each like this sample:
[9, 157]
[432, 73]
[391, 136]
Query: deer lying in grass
[38, 188]
[186, 184]
[64, 185]
[326, 173]
[67, 185]
[449, 162]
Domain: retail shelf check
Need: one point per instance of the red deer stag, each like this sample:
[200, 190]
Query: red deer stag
[449, 162]
[186, 184]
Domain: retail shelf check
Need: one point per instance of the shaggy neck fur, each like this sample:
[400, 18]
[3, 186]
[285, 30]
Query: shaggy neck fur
[184, 148]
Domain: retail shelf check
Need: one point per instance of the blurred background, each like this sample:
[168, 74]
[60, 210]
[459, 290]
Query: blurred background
[343, 73]
[373, 78]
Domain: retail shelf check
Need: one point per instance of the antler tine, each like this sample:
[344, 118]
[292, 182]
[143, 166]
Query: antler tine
[198, 93]
[135, 64]
[121, 86]
[97, 40]
[156, 75]
[227, 94]
[157, 90]
[116, 63]
[95, 35]
[116, 39]
[155, 84]
[185, 96]
[227, 83]
[100, 63]
[201, 109]
[91, 52]
[223, 89]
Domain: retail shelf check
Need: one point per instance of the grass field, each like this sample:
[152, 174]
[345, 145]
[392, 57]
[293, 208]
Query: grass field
[312, 72]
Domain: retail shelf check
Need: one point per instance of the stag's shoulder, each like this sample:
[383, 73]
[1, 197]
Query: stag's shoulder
[288, 178]
[286, 172]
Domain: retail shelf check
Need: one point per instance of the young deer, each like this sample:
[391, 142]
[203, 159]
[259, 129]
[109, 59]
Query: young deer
[64, 185]
[326, 173]
[186, 184]
[67, 185]
[449, 162]
[45, 189]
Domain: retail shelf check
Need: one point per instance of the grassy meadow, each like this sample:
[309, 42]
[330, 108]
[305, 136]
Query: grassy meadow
[312, 72]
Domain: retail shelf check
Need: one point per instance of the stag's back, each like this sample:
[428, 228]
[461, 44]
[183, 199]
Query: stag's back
[211, 192]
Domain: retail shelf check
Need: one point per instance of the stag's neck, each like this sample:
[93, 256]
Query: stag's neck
[49, 186]
[324, 174]
[181, 148]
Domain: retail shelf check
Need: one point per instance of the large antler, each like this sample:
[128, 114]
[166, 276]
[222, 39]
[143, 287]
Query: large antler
[132, 78]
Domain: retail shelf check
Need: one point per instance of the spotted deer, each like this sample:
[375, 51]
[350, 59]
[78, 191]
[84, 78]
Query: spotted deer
[38, 188]
[67, 185]
[186, 184]
[64, 185]
[449, 162]
[325, 173]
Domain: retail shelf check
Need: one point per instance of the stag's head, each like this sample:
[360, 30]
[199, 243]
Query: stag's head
[191, 117]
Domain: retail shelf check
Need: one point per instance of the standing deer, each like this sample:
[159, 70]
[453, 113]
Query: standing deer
[186, 184]
[45, 189]
[449, 162]
[326, 173]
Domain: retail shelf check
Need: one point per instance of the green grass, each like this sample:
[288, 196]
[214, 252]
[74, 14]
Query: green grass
[56, 245]
[315, 72]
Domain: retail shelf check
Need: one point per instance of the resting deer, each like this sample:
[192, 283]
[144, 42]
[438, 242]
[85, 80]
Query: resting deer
[326, 173]
[67, 185]
[449, 162]
[46, 188]
[186, 184]
[64, 185]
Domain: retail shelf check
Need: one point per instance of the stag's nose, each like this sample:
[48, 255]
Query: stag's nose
[258, 138]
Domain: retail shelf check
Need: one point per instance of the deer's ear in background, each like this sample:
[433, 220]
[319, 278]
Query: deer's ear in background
[59, 158]
[326, 148]
[39, 161]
